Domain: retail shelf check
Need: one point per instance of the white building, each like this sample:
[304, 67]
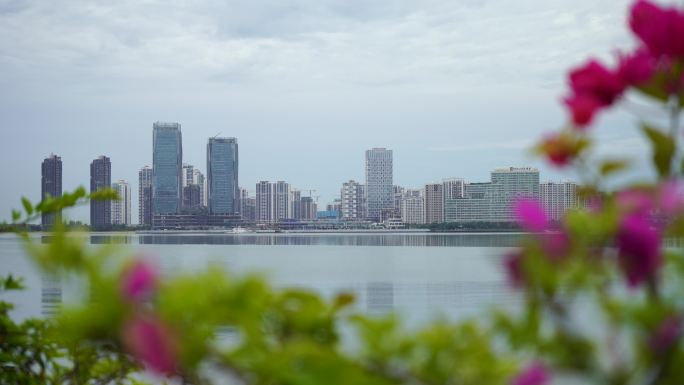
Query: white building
[434, 203]
[283, 209]
[412, 209]
[198, 179]
[558, 198]
[273, 202]
[379, 188]
[121, 209]
[145, 196]
[352, 200]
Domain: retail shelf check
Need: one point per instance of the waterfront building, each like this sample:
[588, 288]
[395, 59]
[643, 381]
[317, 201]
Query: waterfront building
[283, 209]
[352, 201]
[199, 180]
[248, 209]
[309, 209]
[51, 186]
[265, 202]
[192, 198]
[296, 203]
[412, 209]
[379, 190]
[121, 209]
[434, 203]
[398, 195]
[558, 198]
[222, 175]
[100, 178]
[186, 174]
[167, 163]
[145, 196]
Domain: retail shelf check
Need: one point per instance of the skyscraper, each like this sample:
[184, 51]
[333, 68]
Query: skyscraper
[100, 178]
[51, 185]
[434, 203]
[557, 198]
[283, 209]
[198, 179]
[222, 175]
[167, 163]
[265, 202]
[379, 190]
[351, 196]
[121, 209]
[296, 203]
[145, 196]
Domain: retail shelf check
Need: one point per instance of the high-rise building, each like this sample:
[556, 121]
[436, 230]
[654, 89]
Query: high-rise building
[145, 196]
[398, 194]
[247, 205]
[51, 185]
[434, 203]
[222, 175]
[283, 209]
[352, 200]
[199, 180]
[192, 197]
[412, 209]
[265, 202]
[186, 175]
[100, 178]
[121, 209]
[167, 163]
[558, 198]
[379, 190]
[296, 203]
[309, 209]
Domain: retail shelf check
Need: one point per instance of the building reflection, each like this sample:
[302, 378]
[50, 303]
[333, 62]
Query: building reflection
[51, 295]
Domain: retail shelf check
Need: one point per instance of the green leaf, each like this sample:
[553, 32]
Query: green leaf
[27, 205]
[663, 149]
[104, 194]
[612, 166]
[15, 215]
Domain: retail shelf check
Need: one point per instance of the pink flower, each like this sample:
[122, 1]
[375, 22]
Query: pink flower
[635, 201]
[639, 248]
[530, 214]
[595, 80]
[667, 333]
[582, 109]
[513, 266]
[671, 197]
[138, 281]
[533, 374]
[556, 245]
[660, 29]
[637, 68]
[560, 149]
[149, 340]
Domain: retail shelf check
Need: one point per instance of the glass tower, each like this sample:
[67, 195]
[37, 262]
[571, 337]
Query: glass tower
[167, 163]
[51, 184]
[379, 188]
[100, 178]
[222, 175]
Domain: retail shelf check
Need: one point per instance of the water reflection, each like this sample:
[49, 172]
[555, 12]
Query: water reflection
[414, 240]
[51, 295]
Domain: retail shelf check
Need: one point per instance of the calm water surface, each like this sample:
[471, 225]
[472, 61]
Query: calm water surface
[421, 276]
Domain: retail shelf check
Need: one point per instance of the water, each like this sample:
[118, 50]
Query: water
[421, 276]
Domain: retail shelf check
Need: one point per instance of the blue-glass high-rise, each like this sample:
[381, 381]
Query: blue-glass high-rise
[167, 165]
[222, 175]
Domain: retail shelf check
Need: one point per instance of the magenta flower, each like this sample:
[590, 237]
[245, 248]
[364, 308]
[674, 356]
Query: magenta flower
[593, 87]
[533, 374]
[660, 29]
[513, 267]
[582, 109]
[149, 340]
[667, 333]
[556, 245]
[138, 281]
[635, 201]
[639, 249]
[559, 149]
[637, 68]
[671, 197]
[530, 214]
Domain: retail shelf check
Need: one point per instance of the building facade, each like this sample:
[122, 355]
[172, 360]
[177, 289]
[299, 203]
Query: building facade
[121, 209]
[352, 201]
[379, 187]
[100, 178]
[265, 202]
[222, 175]
[412, 209]
[51, 186]
[167, 167]
[434, 203]
[558, 198]
[283, 208]
[309, 209]
[145, 196]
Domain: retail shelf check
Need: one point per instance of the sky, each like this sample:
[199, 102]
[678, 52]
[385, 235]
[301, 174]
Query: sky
[455, 88]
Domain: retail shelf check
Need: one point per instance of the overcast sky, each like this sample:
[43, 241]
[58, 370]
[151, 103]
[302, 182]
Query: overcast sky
[454, 87]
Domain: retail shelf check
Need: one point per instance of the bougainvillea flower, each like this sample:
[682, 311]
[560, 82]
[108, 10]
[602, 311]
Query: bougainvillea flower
[635, 201]
[671, 197]
[533, 374]
[149, 340]
[530, 214]
[513, 267]
[639, 249]
[556, 245]
[582, 109]
[138, 281]
[637, 68]
[667, 333]
[595, 80]
[661, 29]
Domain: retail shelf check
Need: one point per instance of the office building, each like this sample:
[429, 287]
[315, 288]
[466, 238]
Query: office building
[145, 196]
[121, 209]
[167, 163]
[100, 178]
[222, 175]
[434, 203]
[379, 187]
[558, 198]
[192, 198]
[51, 185]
